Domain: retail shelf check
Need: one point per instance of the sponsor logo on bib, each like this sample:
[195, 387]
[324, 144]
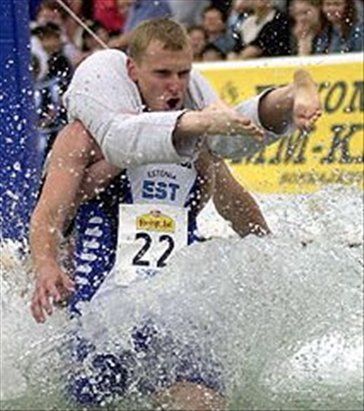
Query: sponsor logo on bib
[156, 221]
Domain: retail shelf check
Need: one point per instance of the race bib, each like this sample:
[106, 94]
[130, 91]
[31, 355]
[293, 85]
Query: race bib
[148, 236]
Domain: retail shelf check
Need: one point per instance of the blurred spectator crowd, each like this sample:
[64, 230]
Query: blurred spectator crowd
[218, 30]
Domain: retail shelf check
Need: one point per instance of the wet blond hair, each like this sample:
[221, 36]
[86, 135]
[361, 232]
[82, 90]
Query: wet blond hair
[170, 33]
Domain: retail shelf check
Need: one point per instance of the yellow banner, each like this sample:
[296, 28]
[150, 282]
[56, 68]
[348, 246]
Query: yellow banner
[332, 153]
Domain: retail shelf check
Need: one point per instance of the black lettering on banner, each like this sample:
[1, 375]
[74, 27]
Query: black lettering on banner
[357, 99]
[230, 93]
[324, 177]
[161, 262]
[339, 151]
[256, 158]
[291, 149]
[323, 86]
[337, 93]
[335, 96]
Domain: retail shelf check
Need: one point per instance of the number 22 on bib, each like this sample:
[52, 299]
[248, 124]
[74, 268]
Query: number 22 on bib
[149, 235]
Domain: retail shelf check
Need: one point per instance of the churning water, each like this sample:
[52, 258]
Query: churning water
[280, 317]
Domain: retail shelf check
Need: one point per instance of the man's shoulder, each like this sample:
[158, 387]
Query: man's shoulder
[103, 70]
[105, 58]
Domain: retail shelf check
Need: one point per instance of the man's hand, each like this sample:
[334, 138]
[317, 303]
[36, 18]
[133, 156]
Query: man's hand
[306, 104]
[52, 285]
[223, 120]
[215, 120]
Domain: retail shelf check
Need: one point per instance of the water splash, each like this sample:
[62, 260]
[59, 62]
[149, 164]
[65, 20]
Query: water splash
[280, 316]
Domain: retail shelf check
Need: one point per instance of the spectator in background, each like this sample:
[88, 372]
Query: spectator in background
[359, 4]
[212, 53]
[241, 10]
[51, 12]
[282, 5]
[187, 12]
[50, 87]
[89, 43]
[344, 32]
[309, 22]
[58, 64]
[198, 41]
[141, 10]
[109, 14]
[266, 32]
[50, 114]
[138, 11]
[214, 22]
[263, 13]
[72, 29]
[223, 5]
[40, 55]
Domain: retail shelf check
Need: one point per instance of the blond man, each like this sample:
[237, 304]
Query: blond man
[151, 117]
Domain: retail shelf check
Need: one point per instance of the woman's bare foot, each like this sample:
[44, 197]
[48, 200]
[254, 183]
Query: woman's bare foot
[306, 107]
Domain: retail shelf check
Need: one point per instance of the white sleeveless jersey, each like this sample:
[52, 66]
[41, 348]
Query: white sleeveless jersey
[156, 218]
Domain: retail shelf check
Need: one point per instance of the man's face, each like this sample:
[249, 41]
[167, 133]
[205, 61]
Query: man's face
[162, 76]
[213, 22]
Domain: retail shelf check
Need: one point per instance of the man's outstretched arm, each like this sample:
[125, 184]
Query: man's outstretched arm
[108, 103]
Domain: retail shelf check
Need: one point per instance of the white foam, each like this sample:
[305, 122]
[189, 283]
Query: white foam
[283, 314]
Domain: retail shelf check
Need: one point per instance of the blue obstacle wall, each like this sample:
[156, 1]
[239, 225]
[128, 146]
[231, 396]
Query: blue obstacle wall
[20, 157]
